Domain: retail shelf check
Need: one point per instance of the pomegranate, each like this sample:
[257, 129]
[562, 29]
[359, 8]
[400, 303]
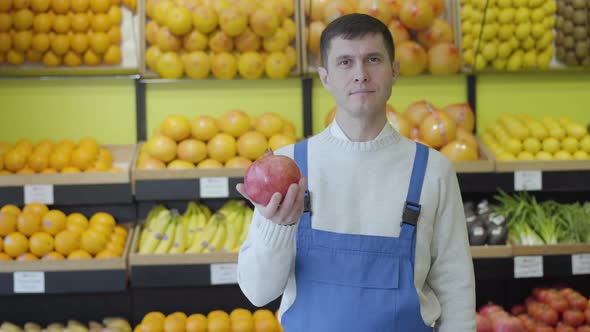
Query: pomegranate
[444, 59]
[417, 14]
[439, 32]
[508, 324]
[487, 309]
[399, 33]
[399, 123]
[459, 151]
[412, 58]
[269, 175]
[418, 111]
[483, 324]
[438, 129]
[381, 10]
[463, 115]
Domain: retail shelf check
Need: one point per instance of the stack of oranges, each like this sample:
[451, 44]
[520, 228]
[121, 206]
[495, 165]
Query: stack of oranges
[60, 32]
[35, 232]
[239, 320]
[47, 157]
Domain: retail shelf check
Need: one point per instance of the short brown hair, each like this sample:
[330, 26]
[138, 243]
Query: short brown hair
[355, 26]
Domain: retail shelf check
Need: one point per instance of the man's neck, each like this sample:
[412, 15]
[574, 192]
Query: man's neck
[361, 129]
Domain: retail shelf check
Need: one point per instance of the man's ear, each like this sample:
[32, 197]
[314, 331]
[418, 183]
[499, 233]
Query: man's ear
[395, 68]
[323, 72]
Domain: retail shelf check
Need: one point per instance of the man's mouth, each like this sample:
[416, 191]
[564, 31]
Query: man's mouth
[362, 91]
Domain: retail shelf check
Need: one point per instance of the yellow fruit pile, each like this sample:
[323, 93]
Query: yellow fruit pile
[111, 323]
[262, 320]
[39, 233]
[224, 38]
[525, 138]
[48, 157]
[60, 32]
[233, 141]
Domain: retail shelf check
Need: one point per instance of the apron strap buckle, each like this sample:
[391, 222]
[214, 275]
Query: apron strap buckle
[307, 202]
[411, 213]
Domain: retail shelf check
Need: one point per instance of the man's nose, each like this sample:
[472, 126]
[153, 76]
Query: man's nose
[360, 74]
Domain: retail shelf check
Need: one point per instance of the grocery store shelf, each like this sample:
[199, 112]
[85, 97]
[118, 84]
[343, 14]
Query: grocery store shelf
[115, 193]
[552, 181]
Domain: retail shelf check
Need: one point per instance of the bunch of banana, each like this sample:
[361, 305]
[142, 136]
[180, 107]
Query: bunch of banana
[197, 230]
[113, 324]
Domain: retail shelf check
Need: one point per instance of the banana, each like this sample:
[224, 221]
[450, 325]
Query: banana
[219, 238]
[205, 210]
[201, 221]
[155, 233]
[179, 244]
[149, 222]
[203, 238]
[120, 323]
[191, 229]
[244, 234]
[168, 238]
[231, 237]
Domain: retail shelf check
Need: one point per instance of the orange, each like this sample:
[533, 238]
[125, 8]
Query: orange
[79, 6]
[99, 42]
[15, 244]
[114, 34]
[14, 159]
[243, 325]
[113, 55]
[45, 146]
[80, 22]
[89, 143]
[106, 254]
[40, 6]
[40, 244]
[79, 43]
[61, 23]
[174, 324]
[261, 314]
[91, 58]
[21, 4]
[15, 57]
[39, 209]
[22, 40]
[115, 170]
[59, 159]
[154, 316]
[219, 325]
[79, 254]
[38, 161]
[54, 222]
[71, 169]
[100, 23]
[100, 6]
[22, 19]
[77, 219]
[72, 59]
[60, 6]
[7, 223]
[10, 209]
[5, 42]
[104, 219]
[25, 170]
[53, 256]
[105, 156]
[120, 230]
[5, 5]
[5, 22]
[115, 15]
[34, 56]
[67, 242]
[240, 313]
[28, 223]
[104, 229]
[25, 146]
[196, 323]
[49, 171]
[27, 257]
[1, 245]
[93, 241]
[116, 248]
[83, 158]
[150, 326]
[118, 239]
[4, 257]
[265, 325]
[218, 315]
[51, 59]
[42, 23]
[66, 144]
[60, 45]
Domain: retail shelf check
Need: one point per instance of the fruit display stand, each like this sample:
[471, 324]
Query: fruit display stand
[74, 188]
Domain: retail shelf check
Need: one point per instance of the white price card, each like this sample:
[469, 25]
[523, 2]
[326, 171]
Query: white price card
[528, 180]
[217, 187]
[581, 264]
[29, 282]
[223, 274]
[528, 267]
[40, 193]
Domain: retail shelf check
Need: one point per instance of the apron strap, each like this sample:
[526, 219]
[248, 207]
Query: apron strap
[300, 156]
[412, 206]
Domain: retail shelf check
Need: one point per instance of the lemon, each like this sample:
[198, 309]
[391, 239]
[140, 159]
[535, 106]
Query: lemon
[543, 155]
[506, 16]
[489, 31]
[506, 157]
[562, 155]
[505, 32]
[522, 15]
[575, 130]
[570, 144]
[505, 3]
[530, 59]
[585, 143]
[537, 30]
[551, 145]
[525, 155]
[514, 146]
[532, 145]
[480, 62]
[523, 30]
[581, 155]
[528, 44]
[499, 64]
[490, 51]
[556, 132]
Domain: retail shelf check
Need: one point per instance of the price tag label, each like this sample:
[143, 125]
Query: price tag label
[29, 282]
[581, 264]
[528, 180]
[528, 267]
[214, 187]
[223, 274]
[40, 193]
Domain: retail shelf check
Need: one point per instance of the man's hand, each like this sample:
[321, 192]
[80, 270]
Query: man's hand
[286, 213]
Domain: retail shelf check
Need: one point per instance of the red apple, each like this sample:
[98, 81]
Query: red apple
[269, 175]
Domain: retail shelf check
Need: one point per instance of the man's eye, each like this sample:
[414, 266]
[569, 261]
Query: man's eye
[344, 62]
[374, 59]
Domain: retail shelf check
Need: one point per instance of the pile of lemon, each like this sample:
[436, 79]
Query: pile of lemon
[61, 32]
[35, 232]
[525, 138]
[48, 157]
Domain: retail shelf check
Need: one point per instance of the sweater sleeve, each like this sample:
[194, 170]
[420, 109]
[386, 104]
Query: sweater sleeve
[265, 260]
[451, 274]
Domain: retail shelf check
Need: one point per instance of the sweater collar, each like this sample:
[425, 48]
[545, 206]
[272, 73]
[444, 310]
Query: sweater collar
[336, 131]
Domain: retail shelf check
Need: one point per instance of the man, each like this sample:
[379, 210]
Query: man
[382, 245]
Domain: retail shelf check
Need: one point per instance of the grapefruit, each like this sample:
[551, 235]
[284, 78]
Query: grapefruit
[269, 124]
[252, 145]
[280, 140]
[251, 65]
[438, 129]
[235, 123]
[204, 128]
[192, 150]
[177, 127]
[247, 41]
[222, 147]
[238, 162]
[162, 148]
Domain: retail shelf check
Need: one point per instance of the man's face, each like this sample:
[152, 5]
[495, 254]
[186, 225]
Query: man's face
[359, 74]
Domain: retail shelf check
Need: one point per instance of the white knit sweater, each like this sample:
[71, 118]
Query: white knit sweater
[360, 188]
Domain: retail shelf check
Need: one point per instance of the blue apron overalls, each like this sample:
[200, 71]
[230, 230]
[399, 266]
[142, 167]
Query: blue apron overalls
[357, 283]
